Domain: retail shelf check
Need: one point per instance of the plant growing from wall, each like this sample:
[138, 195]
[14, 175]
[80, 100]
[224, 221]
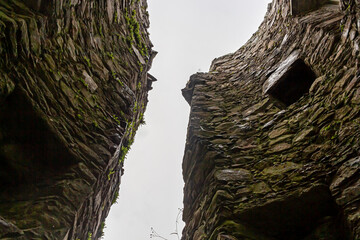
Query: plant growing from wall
[87, 61]
[102, 227]
[135, 35]
[111, 172]
[116, 196]
[124, 152]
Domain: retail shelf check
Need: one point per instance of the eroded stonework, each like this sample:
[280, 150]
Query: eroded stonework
[73, 91]
[259, 167]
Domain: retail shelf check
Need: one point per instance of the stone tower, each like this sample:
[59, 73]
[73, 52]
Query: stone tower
[73, 90]
[273, 146]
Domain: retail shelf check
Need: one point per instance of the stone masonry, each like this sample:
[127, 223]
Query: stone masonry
[73, 91]
[273, 147]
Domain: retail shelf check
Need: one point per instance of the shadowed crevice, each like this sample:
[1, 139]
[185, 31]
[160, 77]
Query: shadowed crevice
[29, 151]
[302, 215]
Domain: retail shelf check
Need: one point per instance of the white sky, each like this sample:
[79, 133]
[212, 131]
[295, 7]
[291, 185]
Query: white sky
[188, 35]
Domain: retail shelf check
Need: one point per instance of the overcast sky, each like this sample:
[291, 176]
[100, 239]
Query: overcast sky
[188, 34]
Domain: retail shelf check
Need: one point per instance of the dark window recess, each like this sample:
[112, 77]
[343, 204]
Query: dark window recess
[42, 6]
[304, 6]
[290, 81]
[30, 152]
[311, 214]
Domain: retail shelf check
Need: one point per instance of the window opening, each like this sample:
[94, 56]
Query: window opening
[290, 81]
[304, 6]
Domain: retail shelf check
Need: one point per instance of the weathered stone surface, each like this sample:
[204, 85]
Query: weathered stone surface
[73, 91]
[233, 175]
[278, 171]
[9, 230]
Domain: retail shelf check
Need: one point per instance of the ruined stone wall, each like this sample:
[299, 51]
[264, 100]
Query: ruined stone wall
[73, 91]
[272, 149]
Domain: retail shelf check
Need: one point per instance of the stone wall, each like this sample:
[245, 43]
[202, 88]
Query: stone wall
[272, 149]
[73, 91]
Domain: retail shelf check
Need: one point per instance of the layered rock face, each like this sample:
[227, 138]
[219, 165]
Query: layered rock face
[272, 148]
[73, 90]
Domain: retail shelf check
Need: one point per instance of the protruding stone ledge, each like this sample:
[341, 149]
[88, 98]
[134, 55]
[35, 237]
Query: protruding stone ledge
[188, 91]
